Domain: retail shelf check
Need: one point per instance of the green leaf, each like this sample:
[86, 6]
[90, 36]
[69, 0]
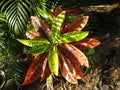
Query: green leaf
[53, 60]
[73, 36]
[34, 42]
[70, 19]
[49, 80]
[45, 15]
[31, 28]
[2, 18]
[56, 26]
[38, 49]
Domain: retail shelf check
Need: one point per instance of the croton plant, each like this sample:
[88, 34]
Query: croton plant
[56, 46]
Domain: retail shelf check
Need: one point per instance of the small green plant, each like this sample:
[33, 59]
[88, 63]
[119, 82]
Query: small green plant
[57, 46]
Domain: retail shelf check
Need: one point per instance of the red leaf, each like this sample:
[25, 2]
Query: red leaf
[57, 11]
[36, 69]
[86, 43]
[67, 70]
[75, 54]
[46, 73]
[74, 11]
[76, 25]
[67, 54]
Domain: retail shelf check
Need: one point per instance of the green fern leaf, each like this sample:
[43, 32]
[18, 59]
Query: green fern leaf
[17, 14]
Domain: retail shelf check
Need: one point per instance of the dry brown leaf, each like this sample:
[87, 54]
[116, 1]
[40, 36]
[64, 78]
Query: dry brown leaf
[32, 35]
[40, 26]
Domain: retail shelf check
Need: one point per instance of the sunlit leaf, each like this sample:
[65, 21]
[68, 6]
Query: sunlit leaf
[56, 26]
[38, 49]
[49, 80]
[53, 60]
[2, 18]
[35, 22]
[57, 11]
[34, 42]
[33, 35]
[72, 36]
[67, 70]
[75, 63]
[36, 69]
[45, 15]
[75, 54]
[40, 26]
[76, 25]
[86, 43]
[30, 28]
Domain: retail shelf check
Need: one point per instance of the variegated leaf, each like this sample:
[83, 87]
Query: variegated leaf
[67, 70]
[34, 42]
[38, 49]
[70, 57]
[72, 36]
[46, 73]
[53, 60]
[86, 43]
[56, 26]
[76, 25]
[36, 69]
[41, 26]
[45, 15]
[76, 54]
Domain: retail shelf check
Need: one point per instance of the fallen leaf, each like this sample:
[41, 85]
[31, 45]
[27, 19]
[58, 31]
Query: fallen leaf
[32, 35]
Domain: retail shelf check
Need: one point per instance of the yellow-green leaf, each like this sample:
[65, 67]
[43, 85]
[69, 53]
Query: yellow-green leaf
[56, 26]
[44, 14]
[73, 36]
[38, 49]
[53, 60]
[33, 42]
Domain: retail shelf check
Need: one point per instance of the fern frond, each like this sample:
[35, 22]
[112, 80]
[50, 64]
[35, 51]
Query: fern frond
[17, 14]
[19, 73]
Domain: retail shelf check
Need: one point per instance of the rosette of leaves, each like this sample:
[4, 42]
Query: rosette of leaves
[57, 47]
